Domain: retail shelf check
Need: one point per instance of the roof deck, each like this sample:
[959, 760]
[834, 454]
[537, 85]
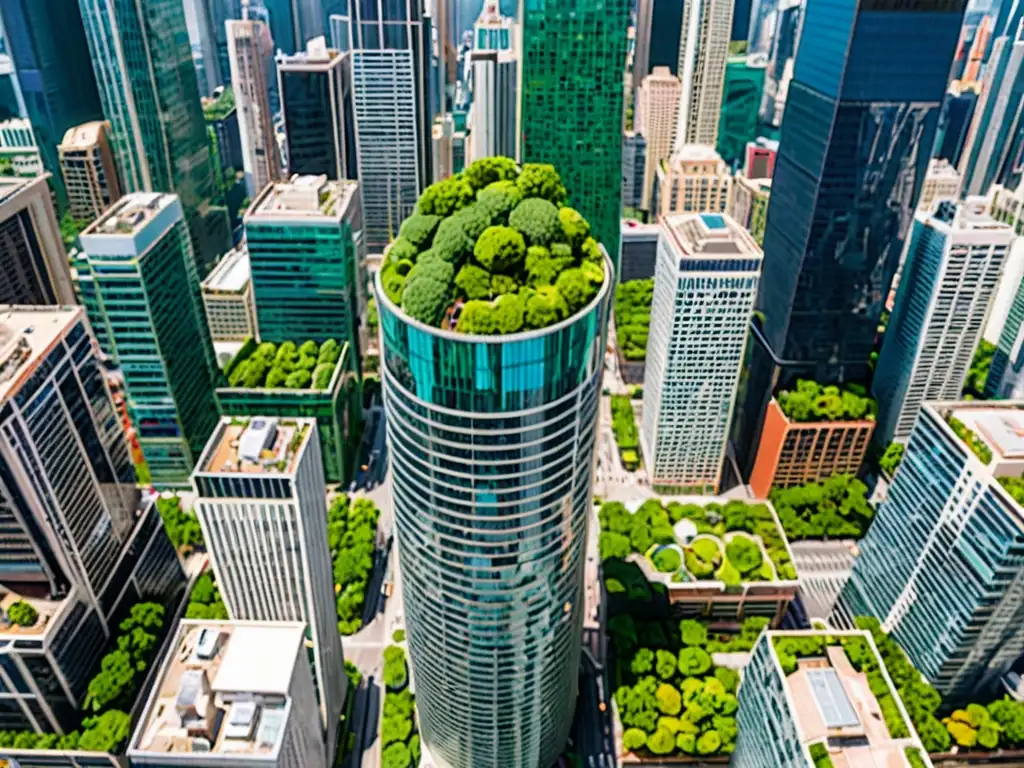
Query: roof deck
[224, 689]
[698, 236]
[260, 445]
[232, 273]
[46, 612]
[27, 334]
[304, 197]
[131, 214]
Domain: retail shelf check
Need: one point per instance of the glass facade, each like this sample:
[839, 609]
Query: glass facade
[492, 442]
[741, 99]
[574, 54]
[317, 102]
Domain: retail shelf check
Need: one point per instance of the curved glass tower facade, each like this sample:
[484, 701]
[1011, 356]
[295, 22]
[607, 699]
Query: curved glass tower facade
[491, 441]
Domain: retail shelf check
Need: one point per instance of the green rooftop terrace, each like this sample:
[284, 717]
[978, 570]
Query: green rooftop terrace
[221, 107]
[285, 366]
[494, 250]
[811, 401]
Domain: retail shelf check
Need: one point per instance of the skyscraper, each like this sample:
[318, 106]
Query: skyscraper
[305, 256]
[79, 544]
[943, 563]
[250, 51]
[741, 102]
[863, 108]
[316, 100]
[265, 524]
[149, 314]
[659, 24]
[941, 182]
[574, 53]
[703, 50]
[953, 264]
[148, 89]
[33, 263]
[693, 180]
[705, 283]
[657, 110]
[90, 175]
[783, 33]
[494, 114]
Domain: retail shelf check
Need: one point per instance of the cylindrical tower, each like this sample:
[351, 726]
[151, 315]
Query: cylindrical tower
[491, 440]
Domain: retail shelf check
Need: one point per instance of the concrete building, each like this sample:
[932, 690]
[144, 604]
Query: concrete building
[657, 110]
[639, 251]
[942, 182]
[703, 51]
[693, 180]
[748, 204]
[33, 263]
[759, 158]
[232, 693]
[227, 298]
[250, 51]
[139, 283]
[741, 102]
[781, 37]
[942, 565]
[494, 58]
[261, 504]
[634, 160]
[705, 283]
[1007, 206]
[221, 115]
[305, 250]
[824, 568]
[954, 260]
[90, 176]
[795, 710]
[19, 152]
[80, 545]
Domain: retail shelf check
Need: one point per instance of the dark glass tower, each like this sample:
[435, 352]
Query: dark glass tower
[859, 125]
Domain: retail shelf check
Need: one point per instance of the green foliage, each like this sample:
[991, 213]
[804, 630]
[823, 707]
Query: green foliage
[477, 317]
[669, 700]
[576, 287]
[633, 317]
[205, 601]
[182, 526]
[744, 554]
[396, 673]
[666, 665]
[694, 661]
[424, 299]
[474, 220]
[473, 282]
[394, 285]
[122, 670]
[820, 756]
[443, 198]
[835, 509]
[541, 180]
[510, 313]
[399, 735]
[633, 739]
[396, 756]
[667, 560]
[624, 423]
[546, 307]
[914, 757]
[499, 199]
[402, 249]
[891, 458]
[978, 446]
[418, 230]
[500, 249]
[490, 170]
[288, 365]
[575, 228]
[538, 221]
[351, 537]
[811, 401]
[398, 636]
[693, 633]
[106, 732]
[977, 375]
[452, 243]
[22, 614]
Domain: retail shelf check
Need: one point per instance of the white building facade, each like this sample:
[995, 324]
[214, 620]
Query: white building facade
[656, 113]
[703, 50]
[494, 118]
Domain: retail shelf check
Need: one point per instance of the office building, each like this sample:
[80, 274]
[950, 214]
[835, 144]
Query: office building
[954, 260]
[957, 115]
[33, 263]
[55, 78]
[941, 182]
[138, 264]
[783, 41]
[1007, 206]
[574, 55]
[261, 504]
[978, 50]
[760, 26]
[147, 84]
[705, 283]
[80, 546]
[657, 110]
[943, 561]
[748, 204]
[19, 152]
[703, 50]
[832, 226]
[494, 58]
[90, 176]
[741, 103]
[693, 180]
[232, 693]
[202, 34]
[824, 568]
[805, 711]
[250, 51]
[221, 115]
[634, 161]
[639, 251]
[759, 159]
[317, 102]
[305, 253]
[659, 25]
[227, 298]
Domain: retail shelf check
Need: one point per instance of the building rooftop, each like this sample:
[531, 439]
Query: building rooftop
[130, 215]
[304, 197]
[11, 186]
[994, 431]
[223, 689]
[257, 445]
[700, 235]
[231, 274]
[315, 56]
[26, 335]
[695, 153]
[46, 611]
[941, 169]
[83, 136]
[971, 215]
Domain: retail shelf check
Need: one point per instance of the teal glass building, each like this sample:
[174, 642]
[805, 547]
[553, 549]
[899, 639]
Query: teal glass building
[492, 445]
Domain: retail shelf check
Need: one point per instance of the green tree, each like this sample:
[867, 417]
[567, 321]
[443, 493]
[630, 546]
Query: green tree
[445, 197]
[500, 249]
[22, 614]
[106, 732]
[538, 221]
[541, 180]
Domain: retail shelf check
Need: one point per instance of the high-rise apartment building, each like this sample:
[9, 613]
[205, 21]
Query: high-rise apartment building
[941, 182]
[250, 51]
[634, 161]
[230, 693]
[783, 38]
[844, 192]
[261, 504]
[305, 254]
[957, 115]
[657, 110]
[942, 565]
[494, 58]
[703, 50]
[79, 544]
[574, 54]
[90, 175]
[949, 279]
[1007, 206]
[694, 179]
[227, 298]
[150, 97]
[19, 149]
[147, 310]
[748, 204]
[391, 48]
[316, 98]
[33, 263]
[705, 283]
[741, 103]
[659, 25]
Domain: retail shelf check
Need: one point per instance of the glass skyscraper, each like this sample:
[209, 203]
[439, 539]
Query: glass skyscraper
[574, 54]
[492, 439]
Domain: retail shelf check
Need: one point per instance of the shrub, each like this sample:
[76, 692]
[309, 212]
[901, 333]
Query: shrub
[509, 313]
[424, 299]
[477, 317]
[575, 228]
[503, 284]
[836, 508]
[546, 307]
[22, 614]
[669, 700]
[417, 230]
[452, 243]
[661, 742]
[537, 220]
[473, 282]
[489, 170]
[978, 446]
[633, 739]
[444, 198]
[667, 560]
[500, 249]
[892, 457]
[403, 250]
[298, 380]
[541, 180]
[322, 375]
[576, 288]
[693, 633]
[694, 661]
[744, 554]
[396, 756]
[474, 220]
[394, 285]
[811, 401]
[498, 199]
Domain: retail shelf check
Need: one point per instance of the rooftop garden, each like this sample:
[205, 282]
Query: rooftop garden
[352, 537]
[977, 375]
[633, 317]
[219, 108]
[978, 446]
[285, 366]
[182, 525]
[891, 458]
[1014, 486]
[22, 614]
[811, 401]
[494, 250]
[834, 509]
[205, 602]
[627, 438]
[735, 543]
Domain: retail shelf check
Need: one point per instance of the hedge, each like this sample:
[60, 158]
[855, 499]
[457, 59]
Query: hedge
[352, 537]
